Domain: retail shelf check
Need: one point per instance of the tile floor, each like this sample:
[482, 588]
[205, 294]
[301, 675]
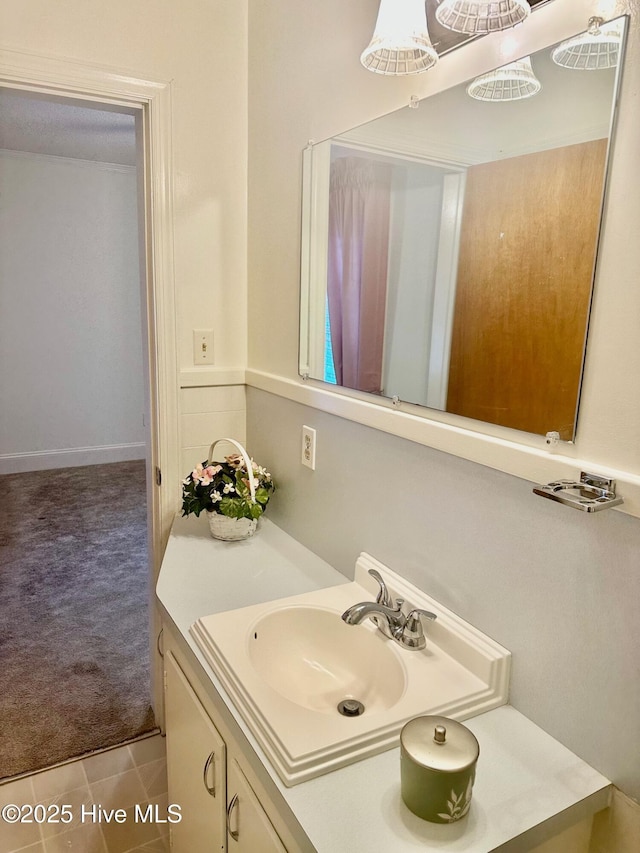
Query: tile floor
[129, 777]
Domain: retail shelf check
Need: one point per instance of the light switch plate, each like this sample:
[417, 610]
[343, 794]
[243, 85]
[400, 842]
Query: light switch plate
[203, 346]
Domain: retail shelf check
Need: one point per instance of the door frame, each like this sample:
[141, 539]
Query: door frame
[151, 100]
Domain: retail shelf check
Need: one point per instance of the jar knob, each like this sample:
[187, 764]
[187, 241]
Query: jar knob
[440, 734]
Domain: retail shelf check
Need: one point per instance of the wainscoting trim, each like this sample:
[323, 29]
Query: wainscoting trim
[204, 376]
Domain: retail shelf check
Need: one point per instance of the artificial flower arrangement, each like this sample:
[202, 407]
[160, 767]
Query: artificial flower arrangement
[224, 488]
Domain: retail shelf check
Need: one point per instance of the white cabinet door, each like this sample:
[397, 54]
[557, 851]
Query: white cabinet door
[249, 828]
[196, 768]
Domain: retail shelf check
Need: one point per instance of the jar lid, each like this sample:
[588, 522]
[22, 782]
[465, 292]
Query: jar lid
[438, 743]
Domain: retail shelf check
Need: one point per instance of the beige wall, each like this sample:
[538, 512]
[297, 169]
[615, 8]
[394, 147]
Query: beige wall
[200, 47]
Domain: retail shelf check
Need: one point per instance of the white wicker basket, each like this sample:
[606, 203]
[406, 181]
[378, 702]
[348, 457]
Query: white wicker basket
[221, 526]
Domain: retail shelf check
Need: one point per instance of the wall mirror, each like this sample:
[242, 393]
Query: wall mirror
[449, 248]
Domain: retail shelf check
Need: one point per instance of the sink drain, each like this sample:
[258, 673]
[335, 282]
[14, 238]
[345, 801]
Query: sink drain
[350, 708]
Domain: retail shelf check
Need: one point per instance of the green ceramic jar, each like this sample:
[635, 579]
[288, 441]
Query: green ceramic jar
[438, 759]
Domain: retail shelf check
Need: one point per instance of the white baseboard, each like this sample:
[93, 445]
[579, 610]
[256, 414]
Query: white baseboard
[18, 463]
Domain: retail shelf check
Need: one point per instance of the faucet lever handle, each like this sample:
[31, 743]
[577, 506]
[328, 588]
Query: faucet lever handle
[413, 632]
[414, 615]
[383, 596]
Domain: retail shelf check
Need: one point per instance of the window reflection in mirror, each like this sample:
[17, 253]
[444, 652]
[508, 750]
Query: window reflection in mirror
[449, 250]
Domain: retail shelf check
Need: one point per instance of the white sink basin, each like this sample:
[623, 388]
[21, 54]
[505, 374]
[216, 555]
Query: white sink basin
[313, 658]
[287, 664]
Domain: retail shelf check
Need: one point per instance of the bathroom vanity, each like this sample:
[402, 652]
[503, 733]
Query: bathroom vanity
[529, 789]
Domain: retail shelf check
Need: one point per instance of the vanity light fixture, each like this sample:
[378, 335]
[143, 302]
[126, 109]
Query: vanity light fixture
[479, 17]
[511, 82]
[592, 50]
[400, 43]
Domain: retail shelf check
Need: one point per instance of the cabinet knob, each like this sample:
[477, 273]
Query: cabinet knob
[210, 763]
[234, 833]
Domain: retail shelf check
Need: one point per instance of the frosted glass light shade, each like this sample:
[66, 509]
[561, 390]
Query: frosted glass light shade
[400, 43]
[509, 83]
[593, 50]
[478, 17]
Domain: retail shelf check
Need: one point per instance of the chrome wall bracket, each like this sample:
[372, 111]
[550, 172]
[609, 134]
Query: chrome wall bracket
[591, 494]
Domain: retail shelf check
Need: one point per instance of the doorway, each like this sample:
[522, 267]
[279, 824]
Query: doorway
[106, 461]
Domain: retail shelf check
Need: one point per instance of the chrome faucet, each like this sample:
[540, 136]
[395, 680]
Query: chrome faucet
[389, 618]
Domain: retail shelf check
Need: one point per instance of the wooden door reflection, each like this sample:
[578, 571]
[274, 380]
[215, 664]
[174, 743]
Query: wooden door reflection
[528, 246]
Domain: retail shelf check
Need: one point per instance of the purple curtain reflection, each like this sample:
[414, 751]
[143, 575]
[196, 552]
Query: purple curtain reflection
[357, 269]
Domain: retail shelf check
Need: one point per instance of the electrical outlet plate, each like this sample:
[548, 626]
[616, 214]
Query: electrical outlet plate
[308, 456]
[203, 346]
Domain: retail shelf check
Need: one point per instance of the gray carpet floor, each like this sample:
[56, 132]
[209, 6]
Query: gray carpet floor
[74, 638]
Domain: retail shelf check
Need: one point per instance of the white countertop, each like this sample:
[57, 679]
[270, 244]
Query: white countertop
[528, 786]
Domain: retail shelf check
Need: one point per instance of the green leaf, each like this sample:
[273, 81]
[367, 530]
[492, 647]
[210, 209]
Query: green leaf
[242, 488]
[262, 495]
[232, 507]
[255, 510]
